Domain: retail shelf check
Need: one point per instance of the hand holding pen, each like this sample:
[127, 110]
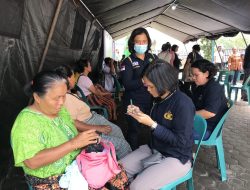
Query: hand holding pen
[132, 109]
[137, 114]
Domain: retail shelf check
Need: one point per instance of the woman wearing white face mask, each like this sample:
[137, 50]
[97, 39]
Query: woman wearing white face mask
[139, 44]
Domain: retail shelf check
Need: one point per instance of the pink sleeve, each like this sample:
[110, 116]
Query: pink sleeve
[80, 82]
[88, 82]
[85, 83]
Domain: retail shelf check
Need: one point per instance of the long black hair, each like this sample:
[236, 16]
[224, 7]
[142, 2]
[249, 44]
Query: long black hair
[80, 65]
[65, 70]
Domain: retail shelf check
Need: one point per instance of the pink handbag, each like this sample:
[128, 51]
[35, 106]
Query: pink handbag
[98, 167]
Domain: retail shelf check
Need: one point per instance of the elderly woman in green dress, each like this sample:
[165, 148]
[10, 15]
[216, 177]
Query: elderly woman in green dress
[44, 138]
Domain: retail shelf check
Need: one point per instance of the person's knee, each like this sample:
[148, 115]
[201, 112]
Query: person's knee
[136, 185]
[141, 185]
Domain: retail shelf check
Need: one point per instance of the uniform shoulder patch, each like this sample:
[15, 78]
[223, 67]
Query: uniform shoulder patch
[122, 67]
[135, 63]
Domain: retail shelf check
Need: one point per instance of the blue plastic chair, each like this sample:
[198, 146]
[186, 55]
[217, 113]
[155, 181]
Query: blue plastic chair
[200, 126]
[94, 108]
[237, 87]
[216, 140]
[118, 89]
[224, 79]
[30, 187]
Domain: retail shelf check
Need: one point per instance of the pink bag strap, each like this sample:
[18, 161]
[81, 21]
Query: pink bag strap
[112, 163]
[109, 146]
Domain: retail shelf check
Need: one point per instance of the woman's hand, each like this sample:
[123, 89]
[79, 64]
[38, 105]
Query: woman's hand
[105, 129]
[141, 117]
[85, 138]
[132, 109]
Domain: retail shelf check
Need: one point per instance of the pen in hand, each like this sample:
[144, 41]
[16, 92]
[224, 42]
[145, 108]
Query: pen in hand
[133, 108]
[131, 104]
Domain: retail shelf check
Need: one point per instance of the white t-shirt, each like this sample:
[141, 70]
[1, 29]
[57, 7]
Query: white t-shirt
[109, 81]
[219, 57]
[85, 83]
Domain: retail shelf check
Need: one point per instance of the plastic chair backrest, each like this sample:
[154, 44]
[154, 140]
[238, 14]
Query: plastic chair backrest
[81, 95]
[218, 129]
[221, 74]
[200, 126]
[84, 98]
[239, 75]
[227, 77]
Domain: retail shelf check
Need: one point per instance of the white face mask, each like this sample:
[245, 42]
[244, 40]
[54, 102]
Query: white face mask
[140, 49]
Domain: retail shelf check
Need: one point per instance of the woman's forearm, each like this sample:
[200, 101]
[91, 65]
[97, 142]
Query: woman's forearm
[81, 126]
[205, 114]
[50, 155]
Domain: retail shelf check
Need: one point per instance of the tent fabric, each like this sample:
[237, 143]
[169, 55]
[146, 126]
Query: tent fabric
[21, 51]
[25, 26]
[192, 19]
[12, 12]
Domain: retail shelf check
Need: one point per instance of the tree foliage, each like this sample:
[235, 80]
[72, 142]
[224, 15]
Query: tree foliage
[226, 42]
[206, 48]
[230, 42]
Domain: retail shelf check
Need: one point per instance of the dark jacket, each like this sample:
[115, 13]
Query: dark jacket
[211, 97]
[173, 136]
[131, 75]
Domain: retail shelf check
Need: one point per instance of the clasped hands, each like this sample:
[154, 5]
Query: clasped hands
[86, 138]
[141, 117]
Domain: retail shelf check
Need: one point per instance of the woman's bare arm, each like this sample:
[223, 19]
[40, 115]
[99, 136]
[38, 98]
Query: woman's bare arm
[51, 155]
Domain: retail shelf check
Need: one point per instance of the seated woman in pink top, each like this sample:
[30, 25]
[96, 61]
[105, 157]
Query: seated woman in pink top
[96, 94]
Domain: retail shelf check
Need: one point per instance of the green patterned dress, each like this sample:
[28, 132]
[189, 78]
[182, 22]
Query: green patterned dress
[33, 132]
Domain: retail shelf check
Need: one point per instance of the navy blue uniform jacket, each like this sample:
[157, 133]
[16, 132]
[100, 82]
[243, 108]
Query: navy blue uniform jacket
[131, 75]
[211, 97]
[173, 136]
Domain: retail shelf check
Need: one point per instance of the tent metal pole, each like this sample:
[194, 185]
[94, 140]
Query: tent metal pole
[91, 14]
[212, 56]
[51, 31]
[244, 38]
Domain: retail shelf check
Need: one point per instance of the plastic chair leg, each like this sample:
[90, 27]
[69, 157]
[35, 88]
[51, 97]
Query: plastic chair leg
[220, 152]
[236, 94]
[29, 186]
[230, 92]
[227, 90]
[190, 184]
[217, 158]
[248, 95]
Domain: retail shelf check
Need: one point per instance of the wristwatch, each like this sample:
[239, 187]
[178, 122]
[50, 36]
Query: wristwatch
[154, 125]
